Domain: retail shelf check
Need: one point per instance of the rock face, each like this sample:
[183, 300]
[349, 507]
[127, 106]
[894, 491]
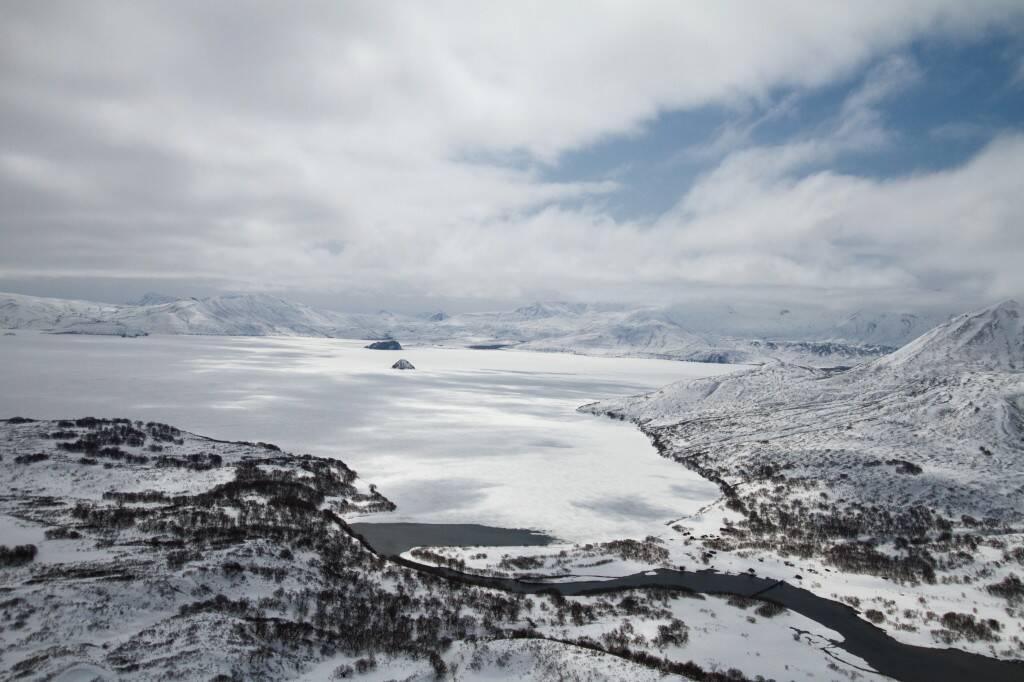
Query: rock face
[402, 364]
[389, 344]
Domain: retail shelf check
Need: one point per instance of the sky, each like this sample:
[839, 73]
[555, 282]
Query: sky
[416, 155]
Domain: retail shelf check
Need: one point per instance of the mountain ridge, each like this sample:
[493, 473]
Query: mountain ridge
[991, 338]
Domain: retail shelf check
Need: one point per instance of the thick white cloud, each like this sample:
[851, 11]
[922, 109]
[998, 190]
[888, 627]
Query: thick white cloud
[331, 145]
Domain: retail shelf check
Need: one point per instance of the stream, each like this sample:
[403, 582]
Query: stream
[860, 638]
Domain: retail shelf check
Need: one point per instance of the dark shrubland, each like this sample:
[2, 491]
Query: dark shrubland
[31, 459]
[17, 555]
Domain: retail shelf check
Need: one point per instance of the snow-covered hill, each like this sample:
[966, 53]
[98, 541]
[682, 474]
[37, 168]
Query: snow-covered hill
[31, 312]
[991, 339]
[909, 468]
[226, 315]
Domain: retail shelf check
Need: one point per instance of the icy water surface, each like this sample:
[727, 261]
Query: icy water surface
[392, 539]
[471, 436]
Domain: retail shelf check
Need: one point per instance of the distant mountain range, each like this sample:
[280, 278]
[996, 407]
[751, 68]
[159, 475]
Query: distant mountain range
[227, 315]
[705, 333]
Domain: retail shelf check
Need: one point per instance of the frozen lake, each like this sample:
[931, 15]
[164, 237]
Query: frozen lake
[471, 436]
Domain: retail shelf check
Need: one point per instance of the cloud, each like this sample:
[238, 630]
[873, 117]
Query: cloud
[765, 223]
[1018, 76]
[861, 124]
[737, 134]
[334, 146]
[959, 131]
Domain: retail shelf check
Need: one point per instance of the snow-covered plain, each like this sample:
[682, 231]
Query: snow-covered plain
[470, 436]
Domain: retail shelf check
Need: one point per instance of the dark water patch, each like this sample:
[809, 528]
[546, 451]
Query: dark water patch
[391, 539]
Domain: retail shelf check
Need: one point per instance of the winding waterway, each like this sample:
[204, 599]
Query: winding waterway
[859, 637]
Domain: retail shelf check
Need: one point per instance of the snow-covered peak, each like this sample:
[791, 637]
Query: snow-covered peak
[989, 339]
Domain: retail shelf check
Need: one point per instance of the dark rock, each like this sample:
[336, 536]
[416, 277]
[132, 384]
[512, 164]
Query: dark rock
[402, 364]
[387, 344]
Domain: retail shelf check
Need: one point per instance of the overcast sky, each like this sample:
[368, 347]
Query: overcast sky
[430, 154]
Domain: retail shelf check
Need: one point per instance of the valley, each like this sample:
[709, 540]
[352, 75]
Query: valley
[832, 488]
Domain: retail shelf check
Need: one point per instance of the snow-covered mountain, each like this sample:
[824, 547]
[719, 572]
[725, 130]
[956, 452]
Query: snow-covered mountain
[31, 312]
[229, 314]
[703, 333]
[234, 314]
[991, 339]
[884, 468]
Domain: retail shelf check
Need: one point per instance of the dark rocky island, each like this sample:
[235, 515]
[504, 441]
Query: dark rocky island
[386, 344]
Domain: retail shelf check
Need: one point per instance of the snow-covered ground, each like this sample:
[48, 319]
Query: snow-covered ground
[895, 486]
[470, 436]
[160, 554]
[722, 636]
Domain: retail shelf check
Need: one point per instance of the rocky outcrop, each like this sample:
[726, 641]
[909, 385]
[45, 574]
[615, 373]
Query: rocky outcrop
[387, 344]
[403, 364]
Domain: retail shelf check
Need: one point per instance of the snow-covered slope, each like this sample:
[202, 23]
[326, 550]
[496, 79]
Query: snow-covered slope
[236, 314]
[226, 315]
[991, 339]
[32, 312]
[887, 468]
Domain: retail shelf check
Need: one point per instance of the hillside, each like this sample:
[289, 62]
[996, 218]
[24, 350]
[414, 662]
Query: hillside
[909, 468]
[990, 340]
[226, 315]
